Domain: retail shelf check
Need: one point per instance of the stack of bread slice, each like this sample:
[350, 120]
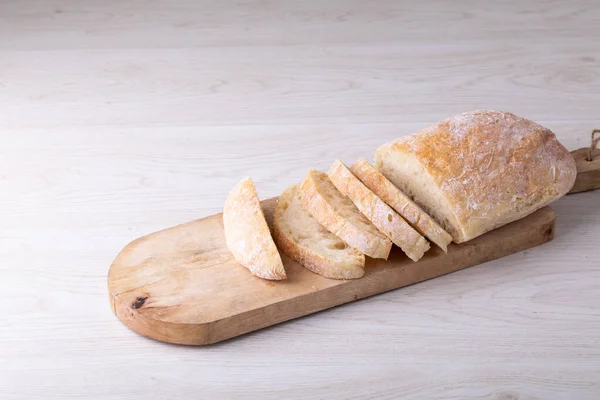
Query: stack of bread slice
[328, 223]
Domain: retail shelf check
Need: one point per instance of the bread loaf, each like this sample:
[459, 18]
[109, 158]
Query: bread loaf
[247, 234]
[339, 216]
[380, 214]
[479, 170]
[394, 197]
[299, 235]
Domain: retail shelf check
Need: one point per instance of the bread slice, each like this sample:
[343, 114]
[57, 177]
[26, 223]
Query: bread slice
[339, 216]
[247, 234]
[394, 197]
[299, 235]
[380, 214]
[479, 170]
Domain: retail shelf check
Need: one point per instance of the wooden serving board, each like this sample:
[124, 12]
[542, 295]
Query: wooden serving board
[182, 285]
[588, 171]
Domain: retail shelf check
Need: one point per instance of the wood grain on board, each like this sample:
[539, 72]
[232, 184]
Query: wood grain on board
[182, 285]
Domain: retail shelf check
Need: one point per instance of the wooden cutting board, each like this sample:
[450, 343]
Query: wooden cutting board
[182, 285]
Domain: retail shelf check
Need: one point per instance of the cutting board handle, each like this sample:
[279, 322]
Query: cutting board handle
[587, 160]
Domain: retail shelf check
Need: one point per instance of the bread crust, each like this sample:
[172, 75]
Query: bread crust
[491, 168]
[350, 267]
[378, 212]
[402, 204]
[320, 197]
[247, 234]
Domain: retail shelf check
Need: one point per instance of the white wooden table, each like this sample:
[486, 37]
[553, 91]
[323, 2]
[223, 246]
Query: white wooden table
[118, 119]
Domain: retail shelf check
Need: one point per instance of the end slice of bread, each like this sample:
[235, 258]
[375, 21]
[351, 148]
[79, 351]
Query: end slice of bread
[247, 234]
[390, 194]
[299, 235]
[380, 214]
[339, 216]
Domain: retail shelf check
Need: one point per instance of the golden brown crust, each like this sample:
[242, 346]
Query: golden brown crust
[390, 194]
[337, 213]
[380, 214]
[490, 167]
[247, 234]
[321, 253]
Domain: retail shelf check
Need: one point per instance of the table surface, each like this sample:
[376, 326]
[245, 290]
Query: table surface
[118, 119]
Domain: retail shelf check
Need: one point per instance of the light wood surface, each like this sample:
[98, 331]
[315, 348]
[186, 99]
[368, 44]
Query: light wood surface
[182, 285]
[121, 118]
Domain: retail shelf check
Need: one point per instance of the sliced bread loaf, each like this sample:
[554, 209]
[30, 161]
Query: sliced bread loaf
[339, 216]
[299, 235]
[380, 214]
[394, 197]
[479, 170]
[247, 234]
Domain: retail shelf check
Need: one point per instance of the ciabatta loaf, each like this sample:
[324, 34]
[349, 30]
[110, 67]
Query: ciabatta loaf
[394, 197]
[380, 214]
[299, 235]
[479, 170]
[339, 216]
[247, 234]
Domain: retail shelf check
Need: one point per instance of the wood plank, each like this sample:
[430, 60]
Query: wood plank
[271, 85]
[182, 285]
[31, 24]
